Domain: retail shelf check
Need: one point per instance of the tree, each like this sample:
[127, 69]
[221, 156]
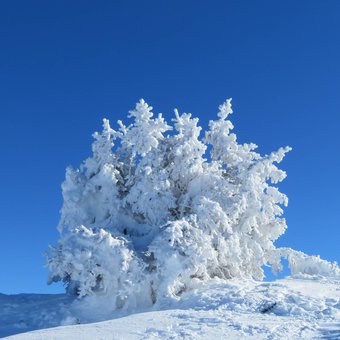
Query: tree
[152, 211]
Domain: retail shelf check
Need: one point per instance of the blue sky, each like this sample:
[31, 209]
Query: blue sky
[65, 65]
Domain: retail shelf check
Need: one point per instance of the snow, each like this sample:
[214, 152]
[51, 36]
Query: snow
[157, 241]
[302, 307]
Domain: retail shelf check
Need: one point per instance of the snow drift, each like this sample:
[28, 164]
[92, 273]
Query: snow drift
[304, 308]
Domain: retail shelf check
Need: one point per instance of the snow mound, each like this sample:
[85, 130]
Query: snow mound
[302, 307]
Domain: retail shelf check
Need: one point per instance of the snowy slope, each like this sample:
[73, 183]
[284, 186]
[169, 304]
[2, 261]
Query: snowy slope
[299, 308]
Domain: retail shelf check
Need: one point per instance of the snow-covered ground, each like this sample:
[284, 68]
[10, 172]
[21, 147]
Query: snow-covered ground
[292, 308]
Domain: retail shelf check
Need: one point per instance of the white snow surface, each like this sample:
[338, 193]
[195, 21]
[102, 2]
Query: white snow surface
[300, 307]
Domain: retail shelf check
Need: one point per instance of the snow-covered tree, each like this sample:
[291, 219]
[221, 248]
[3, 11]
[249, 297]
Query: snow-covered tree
[151, 212]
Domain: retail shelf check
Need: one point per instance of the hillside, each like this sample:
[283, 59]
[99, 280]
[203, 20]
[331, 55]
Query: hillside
[303, 307]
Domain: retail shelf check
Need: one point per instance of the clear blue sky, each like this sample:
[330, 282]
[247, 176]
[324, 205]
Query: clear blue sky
[64, 65]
